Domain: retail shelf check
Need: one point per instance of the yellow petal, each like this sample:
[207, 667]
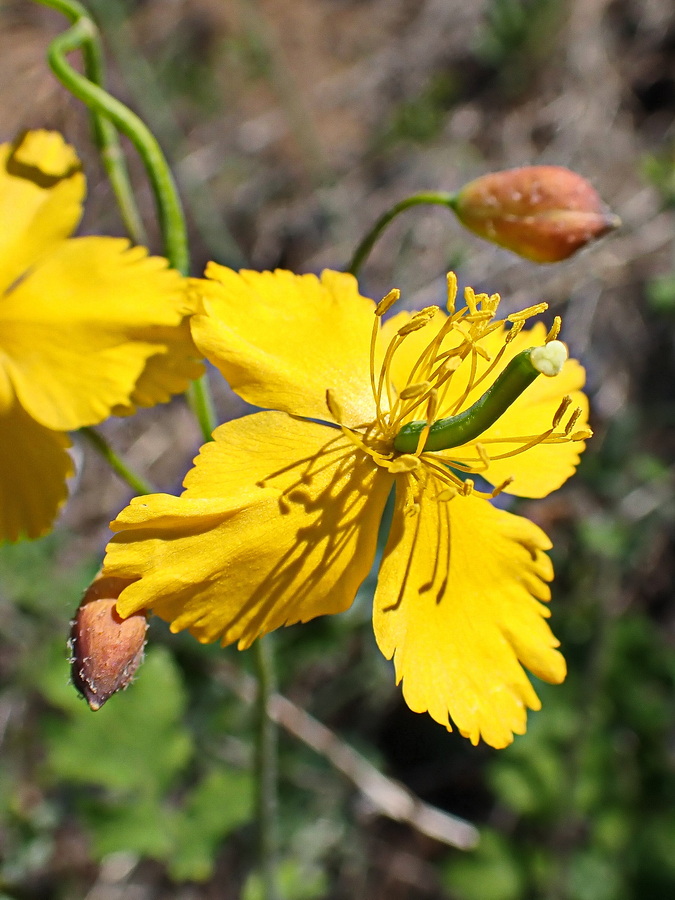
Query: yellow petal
[283, 340]
[41, 193]
[34, 465]
[81, 329]
[458, 607]
[278, 524]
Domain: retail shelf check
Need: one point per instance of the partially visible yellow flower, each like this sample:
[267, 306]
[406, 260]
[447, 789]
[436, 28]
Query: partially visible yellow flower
[279, 519]
[88, 326]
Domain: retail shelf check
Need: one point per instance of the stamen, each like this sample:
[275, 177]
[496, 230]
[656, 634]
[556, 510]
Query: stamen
[555, 329]
[387, 302]
[501, 487]
[419, 320]
[560, 412]
[528, 312]
[572, 422]
[452, 292]
[432, 408]
[584, 434]
[414, 390]
[403, 464]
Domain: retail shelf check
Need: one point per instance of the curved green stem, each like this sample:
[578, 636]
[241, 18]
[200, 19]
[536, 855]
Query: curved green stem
[266, 769]
[470, 424]
[435, 198]
[105, 133]
[169, 208]
[109, 114]
[103, 448]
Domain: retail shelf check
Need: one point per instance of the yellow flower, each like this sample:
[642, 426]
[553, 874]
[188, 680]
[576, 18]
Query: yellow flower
[279, 519]
[88, 326]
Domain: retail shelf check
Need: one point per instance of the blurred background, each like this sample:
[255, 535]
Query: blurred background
[291, 125]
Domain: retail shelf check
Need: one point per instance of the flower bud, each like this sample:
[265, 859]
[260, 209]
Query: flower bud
[544, 213]
[106, 649]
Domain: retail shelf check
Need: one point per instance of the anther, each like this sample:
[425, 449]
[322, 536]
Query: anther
[387, 302]
[573, 421]
[528, 312]
[452, 292]
[501, 487]
[404, 464]
[560, 412]
[584, 434]
[555, 330]
[419, 320]
[414, 390]
[467, 487]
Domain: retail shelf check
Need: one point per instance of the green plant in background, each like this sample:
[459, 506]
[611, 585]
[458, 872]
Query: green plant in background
[517, 36]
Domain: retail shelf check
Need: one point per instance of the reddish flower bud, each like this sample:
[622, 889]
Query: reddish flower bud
[544, 213]
[106, 649]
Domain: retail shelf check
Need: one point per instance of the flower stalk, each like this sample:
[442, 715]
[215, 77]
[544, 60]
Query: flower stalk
[135, 481]
[110, 115]
[362, 252]
[105, 133]
[266, 768]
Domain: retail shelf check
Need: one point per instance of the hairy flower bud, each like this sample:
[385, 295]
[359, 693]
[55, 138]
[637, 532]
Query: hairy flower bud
[544, 213]
[106, 649]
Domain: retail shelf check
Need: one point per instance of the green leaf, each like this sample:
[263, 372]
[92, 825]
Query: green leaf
[220, 803]
[137, 742]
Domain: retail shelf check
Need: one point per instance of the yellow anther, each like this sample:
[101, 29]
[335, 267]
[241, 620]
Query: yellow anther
[467, 487]
[572, 421]
[555, 330]
[446, 494]
[583, 435]
[514, 330]
[334, 407]
[415, 390]
[387, 302]
[452, 292]
[560, 412]
[404, 464]
[432, 406]
[419, 320]
[501, 487]
[528, 312]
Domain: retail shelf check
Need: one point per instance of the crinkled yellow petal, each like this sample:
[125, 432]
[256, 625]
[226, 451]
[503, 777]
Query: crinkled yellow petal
[542, 468]
[96, 325]
[34, 465]
[41, 193]
[458, 606]
[278, 524]
[283, 340]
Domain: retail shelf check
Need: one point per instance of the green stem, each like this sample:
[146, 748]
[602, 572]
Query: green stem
[103, 448]
[105, 133]
[470, 424]
[266, 769]
[169, 208]
[108, 115]
[435, 198]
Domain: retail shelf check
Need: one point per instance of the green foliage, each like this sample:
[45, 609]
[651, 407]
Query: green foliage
[130, 756]
[297, 881]
[517, 37]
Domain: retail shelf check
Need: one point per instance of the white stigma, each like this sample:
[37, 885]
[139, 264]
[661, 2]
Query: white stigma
[550, 358]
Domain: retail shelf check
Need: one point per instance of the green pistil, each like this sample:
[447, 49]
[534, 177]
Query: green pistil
[470, 424]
